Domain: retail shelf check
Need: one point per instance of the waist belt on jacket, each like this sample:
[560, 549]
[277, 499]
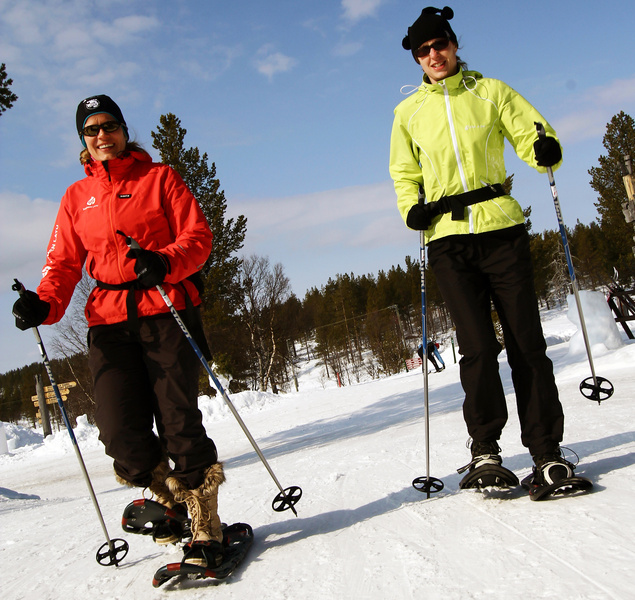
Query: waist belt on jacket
[131, 304]
[192, 318]
[456, 203]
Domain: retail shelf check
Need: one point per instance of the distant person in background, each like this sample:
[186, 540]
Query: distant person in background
[447, 149]
[432, 354]
[144, 370]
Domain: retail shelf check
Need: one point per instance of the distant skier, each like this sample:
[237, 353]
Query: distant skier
[433, 352]
[433, 355]
[447, 144]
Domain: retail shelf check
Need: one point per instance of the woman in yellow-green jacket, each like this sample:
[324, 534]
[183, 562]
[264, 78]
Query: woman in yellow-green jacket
[446, 160]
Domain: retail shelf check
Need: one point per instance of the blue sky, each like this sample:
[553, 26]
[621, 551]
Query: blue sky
[293, 102]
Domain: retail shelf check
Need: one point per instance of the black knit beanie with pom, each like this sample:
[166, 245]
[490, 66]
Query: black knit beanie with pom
[431, 24]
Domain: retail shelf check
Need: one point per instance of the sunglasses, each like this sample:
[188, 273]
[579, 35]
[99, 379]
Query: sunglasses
[108, 127]
[439, 45]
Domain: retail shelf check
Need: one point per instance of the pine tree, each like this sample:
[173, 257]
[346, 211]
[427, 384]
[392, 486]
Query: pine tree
[607, 181]
[221, 272]
[7, 97]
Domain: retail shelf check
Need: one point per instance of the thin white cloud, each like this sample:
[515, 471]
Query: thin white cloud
[270, 62]
[356, 10]
[123, 30]
[346, 49]
[321, 217]
[590, 111]
[25, 229]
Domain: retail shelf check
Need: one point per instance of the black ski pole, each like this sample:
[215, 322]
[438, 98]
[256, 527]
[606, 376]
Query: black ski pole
[594, 387]
[114, 550]
[287, 498]
[426, 484]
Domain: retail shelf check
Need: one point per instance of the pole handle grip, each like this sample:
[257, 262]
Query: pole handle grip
[130, 242]
[18, 287]
[540, 129]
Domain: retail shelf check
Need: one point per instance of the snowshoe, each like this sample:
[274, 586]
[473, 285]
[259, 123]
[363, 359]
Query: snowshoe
[486, 469]
[165, 525]
[489, 475]
[552, 476]
[565, 487]
[237, 540]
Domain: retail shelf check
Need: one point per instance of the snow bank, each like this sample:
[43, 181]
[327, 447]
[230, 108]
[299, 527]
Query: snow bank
[600, 324]
[17, 436]
[215, 408]
[4, 449]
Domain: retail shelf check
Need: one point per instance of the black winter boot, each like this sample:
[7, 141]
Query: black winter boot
[485, 469]
[551, 467]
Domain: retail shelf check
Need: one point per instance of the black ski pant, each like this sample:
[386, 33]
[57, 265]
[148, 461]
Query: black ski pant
[147, 378]
[433, 360]
[472, 271]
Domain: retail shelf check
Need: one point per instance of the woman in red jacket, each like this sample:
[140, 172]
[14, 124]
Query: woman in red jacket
[144, 370]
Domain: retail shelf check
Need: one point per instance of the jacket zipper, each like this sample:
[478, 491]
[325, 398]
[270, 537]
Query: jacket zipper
[111, 204]
[457, 154]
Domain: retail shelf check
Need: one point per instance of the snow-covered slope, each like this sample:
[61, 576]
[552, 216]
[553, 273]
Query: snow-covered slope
[362, 532]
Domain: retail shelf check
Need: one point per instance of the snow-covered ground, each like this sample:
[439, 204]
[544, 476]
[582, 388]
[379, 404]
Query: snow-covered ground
[363, 531]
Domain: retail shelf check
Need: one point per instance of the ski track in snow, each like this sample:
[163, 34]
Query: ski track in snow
[362, 531]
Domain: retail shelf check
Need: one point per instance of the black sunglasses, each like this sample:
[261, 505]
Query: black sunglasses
[439, 45]
[108, 127]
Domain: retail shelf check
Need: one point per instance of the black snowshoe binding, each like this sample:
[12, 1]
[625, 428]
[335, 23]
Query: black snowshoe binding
[221, 560]
[165, 525]
[554, 476]
[485, 470]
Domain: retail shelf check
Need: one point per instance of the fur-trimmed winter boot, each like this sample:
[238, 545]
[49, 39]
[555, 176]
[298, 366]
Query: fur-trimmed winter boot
[171, 530]
[158, 487]
[206, 548]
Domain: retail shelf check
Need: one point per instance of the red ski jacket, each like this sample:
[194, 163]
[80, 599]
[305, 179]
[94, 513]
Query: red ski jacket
[148, 202]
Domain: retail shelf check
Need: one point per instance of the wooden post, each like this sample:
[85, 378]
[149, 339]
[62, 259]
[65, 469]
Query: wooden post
[44, 411]
[628, 207]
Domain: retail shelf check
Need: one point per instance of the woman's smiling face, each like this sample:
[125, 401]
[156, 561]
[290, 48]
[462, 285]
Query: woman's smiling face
[439, 64]
[104, 146]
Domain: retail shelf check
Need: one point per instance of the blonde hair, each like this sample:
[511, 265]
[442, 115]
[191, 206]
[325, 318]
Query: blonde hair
[85, 157]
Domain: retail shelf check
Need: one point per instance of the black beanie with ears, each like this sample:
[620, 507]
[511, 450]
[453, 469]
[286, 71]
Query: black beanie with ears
[431, 24]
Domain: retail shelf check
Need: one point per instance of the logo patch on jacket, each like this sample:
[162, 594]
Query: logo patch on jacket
[124, 195]
[92, 203]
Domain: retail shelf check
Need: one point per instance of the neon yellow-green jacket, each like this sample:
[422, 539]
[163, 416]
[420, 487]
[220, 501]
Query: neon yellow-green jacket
[448, 138]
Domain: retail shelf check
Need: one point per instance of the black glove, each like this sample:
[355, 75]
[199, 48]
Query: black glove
[548, 151]
[29, 311]
[150, 267]
[420, 215]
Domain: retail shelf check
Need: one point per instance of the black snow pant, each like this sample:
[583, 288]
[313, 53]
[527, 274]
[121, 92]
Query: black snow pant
[432, 358]
[144, 378]
[472, 271]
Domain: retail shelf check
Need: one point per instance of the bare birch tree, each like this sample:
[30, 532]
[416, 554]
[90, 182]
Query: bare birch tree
[265, 289]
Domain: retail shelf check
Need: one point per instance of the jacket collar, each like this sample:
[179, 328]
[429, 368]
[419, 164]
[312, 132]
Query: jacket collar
[450, 83]
[465, 78]
[114, 168]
